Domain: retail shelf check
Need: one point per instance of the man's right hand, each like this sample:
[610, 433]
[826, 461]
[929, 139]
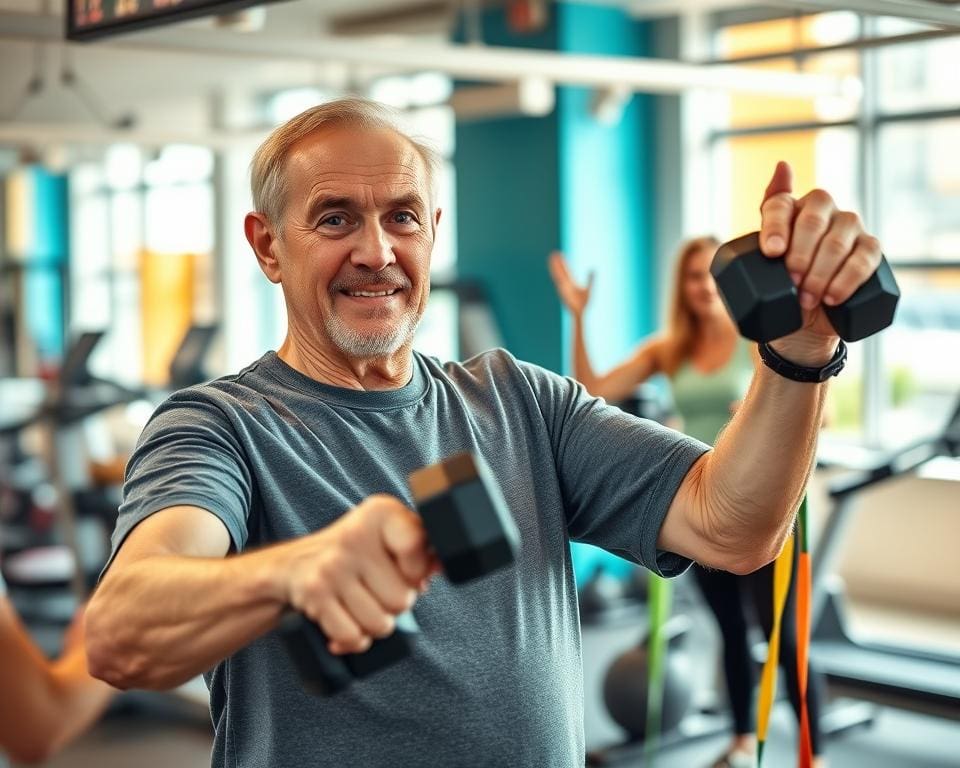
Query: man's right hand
[356, 575]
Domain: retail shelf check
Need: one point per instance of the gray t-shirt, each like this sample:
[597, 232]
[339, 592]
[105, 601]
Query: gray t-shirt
[496, 677]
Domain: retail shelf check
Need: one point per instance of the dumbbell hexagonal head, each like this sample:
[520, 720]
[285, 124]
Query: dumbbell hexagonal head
[466, 517]
[871, 307]
[757, 291]
[763, 302]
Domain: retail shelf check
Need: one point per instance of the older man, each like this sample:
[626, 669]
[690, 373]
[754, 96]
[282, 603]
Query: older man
[295, 467]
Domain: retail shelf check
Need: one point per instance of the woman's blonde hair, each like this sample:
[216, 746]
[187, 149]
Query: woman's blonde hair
[268, 181]
[681, 322]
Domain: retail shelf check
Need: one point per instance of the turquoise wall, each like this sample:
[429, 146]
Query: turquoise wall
[507, 222]
[607, 192]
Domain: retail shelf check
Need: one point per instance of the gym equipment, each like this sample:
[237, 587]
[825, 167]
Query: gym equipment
[608, 597]
[471, 530]
[648, 690]
[188, 364]
[768, 678]
[907, 678]
[58, 408]
[476, 326]
[625, 685]
[601, 594]
[763, 301]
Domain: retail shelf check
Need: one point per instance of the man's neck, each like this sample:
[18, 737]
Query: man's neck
[321, 364]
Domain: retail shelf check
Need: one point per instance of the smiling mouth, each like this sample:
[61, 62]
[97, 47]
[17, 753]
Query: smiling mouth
[371, 294]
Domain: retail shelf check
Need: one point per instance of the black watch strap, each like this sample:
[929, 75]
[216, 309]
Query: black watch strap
[800, 373]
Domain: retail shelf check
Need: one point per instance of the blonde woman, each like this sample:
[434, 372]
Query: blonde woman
[709, 367]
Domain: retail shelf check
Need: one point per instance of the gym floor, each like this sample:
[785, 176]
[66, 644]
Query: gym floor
[153, 731]
[158, 737]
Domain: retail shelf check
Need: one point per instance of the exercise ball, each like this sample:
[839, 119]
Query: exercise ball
[625, 688]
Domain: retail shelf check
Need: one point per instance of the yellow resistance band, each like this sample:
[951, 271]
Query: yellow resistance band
[782, 569]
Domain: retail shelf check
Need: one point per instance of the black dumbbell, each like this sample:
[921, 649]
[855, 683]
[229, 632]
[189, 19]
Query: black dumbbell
[764, 303]
[471, 531]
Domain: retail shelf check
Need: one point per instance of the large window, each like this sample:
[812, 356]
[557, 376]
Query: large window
[918, 188]
[890, 155]
[141, 255]
[916, 76]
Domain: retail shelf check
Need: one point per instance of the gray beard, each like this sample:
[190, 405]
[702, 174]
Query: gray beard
[365, 345]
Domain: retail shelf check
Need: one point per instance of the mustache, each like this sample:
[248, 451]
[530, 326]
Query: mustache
[392, 276]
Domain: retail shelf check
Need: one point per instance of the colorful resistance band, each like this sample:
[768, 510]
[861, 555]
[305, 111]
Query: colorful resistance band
[804, 584]
[782, 570]
[660, 596]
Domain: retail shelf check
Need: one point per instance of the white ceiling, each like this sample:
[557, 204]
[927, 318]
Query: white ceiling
[169, 88]
[173, 90]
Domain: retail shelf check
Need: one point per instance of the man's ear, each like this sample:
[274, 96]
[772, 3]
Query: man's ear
[436, 222]
[262, 239]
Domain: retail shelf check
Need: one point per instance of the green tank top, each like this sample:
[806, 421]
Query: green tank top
[703, 399]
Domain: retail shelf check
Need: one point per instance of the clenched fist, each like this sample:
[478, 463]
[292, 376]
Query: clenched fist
[355, 576]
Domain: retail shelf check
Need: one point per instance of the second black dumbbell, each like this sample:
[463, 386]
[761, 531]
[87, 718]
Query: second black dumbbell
[763, 300]
[471, 531]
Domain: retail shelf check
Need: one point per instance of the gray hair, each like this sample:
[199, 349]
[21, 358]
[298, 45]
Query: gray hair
[268, 181]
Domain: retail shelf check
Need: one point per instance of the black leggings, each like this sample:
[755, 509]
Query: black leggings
[726, 593]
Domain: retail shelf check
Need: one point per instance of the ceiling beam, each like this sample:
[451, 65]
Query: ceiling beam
[937, 14]
[468, 62]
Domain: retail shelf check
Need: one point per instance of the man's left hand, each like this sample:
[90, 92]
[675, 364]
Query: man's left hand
[828, 255]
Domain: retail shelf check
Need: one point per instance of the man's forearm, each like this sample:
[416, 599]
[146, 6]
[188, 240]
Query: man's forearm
[754, 479]
[161, 620]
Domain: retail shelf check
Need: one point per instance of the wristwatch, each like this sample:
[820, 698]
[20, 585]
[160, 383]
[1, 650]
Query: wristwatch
[800, 373]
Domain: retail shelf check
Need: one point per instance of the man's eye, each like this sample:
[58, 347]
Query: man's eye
[404, 217]
[333, 221]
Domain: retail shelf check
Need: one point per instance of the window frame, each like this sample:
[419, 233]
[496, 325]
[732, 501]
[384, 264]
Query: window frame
[868, 124]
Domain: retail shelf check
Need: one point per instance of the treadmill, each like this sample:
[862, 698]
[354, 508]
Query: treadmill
[915, 679]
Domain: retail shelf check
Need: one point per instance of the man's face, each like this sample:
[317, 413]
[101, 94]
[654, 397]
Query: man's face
[358, 231]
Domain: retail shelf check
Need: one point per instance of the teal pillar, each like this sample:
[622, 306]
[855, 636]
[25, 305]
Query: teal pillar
[607, 192]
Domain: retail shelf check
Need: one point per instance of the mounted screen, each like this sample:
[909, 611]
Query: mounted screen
[91, 19]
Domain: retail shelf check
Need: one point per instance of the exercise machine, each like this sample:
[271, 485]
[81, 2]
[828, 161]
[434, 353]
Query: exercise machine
[915, 679]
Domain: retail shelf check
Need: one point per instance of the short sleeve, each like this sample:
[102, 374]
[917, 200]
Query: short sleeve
[618, 473]
[188, 454]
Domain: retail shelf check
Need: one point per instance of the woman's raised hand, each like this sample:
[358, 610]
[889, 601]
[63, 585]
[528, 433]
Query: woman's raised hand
[571, 293]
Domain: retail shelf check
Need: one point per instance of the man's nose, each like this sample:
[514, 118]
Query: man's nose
[373, 249]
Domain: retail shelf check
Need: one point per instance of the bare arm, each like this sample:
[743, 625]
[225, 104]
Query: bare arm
[44, 704]
[172, 605]
[619, 382]
[737, 504]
